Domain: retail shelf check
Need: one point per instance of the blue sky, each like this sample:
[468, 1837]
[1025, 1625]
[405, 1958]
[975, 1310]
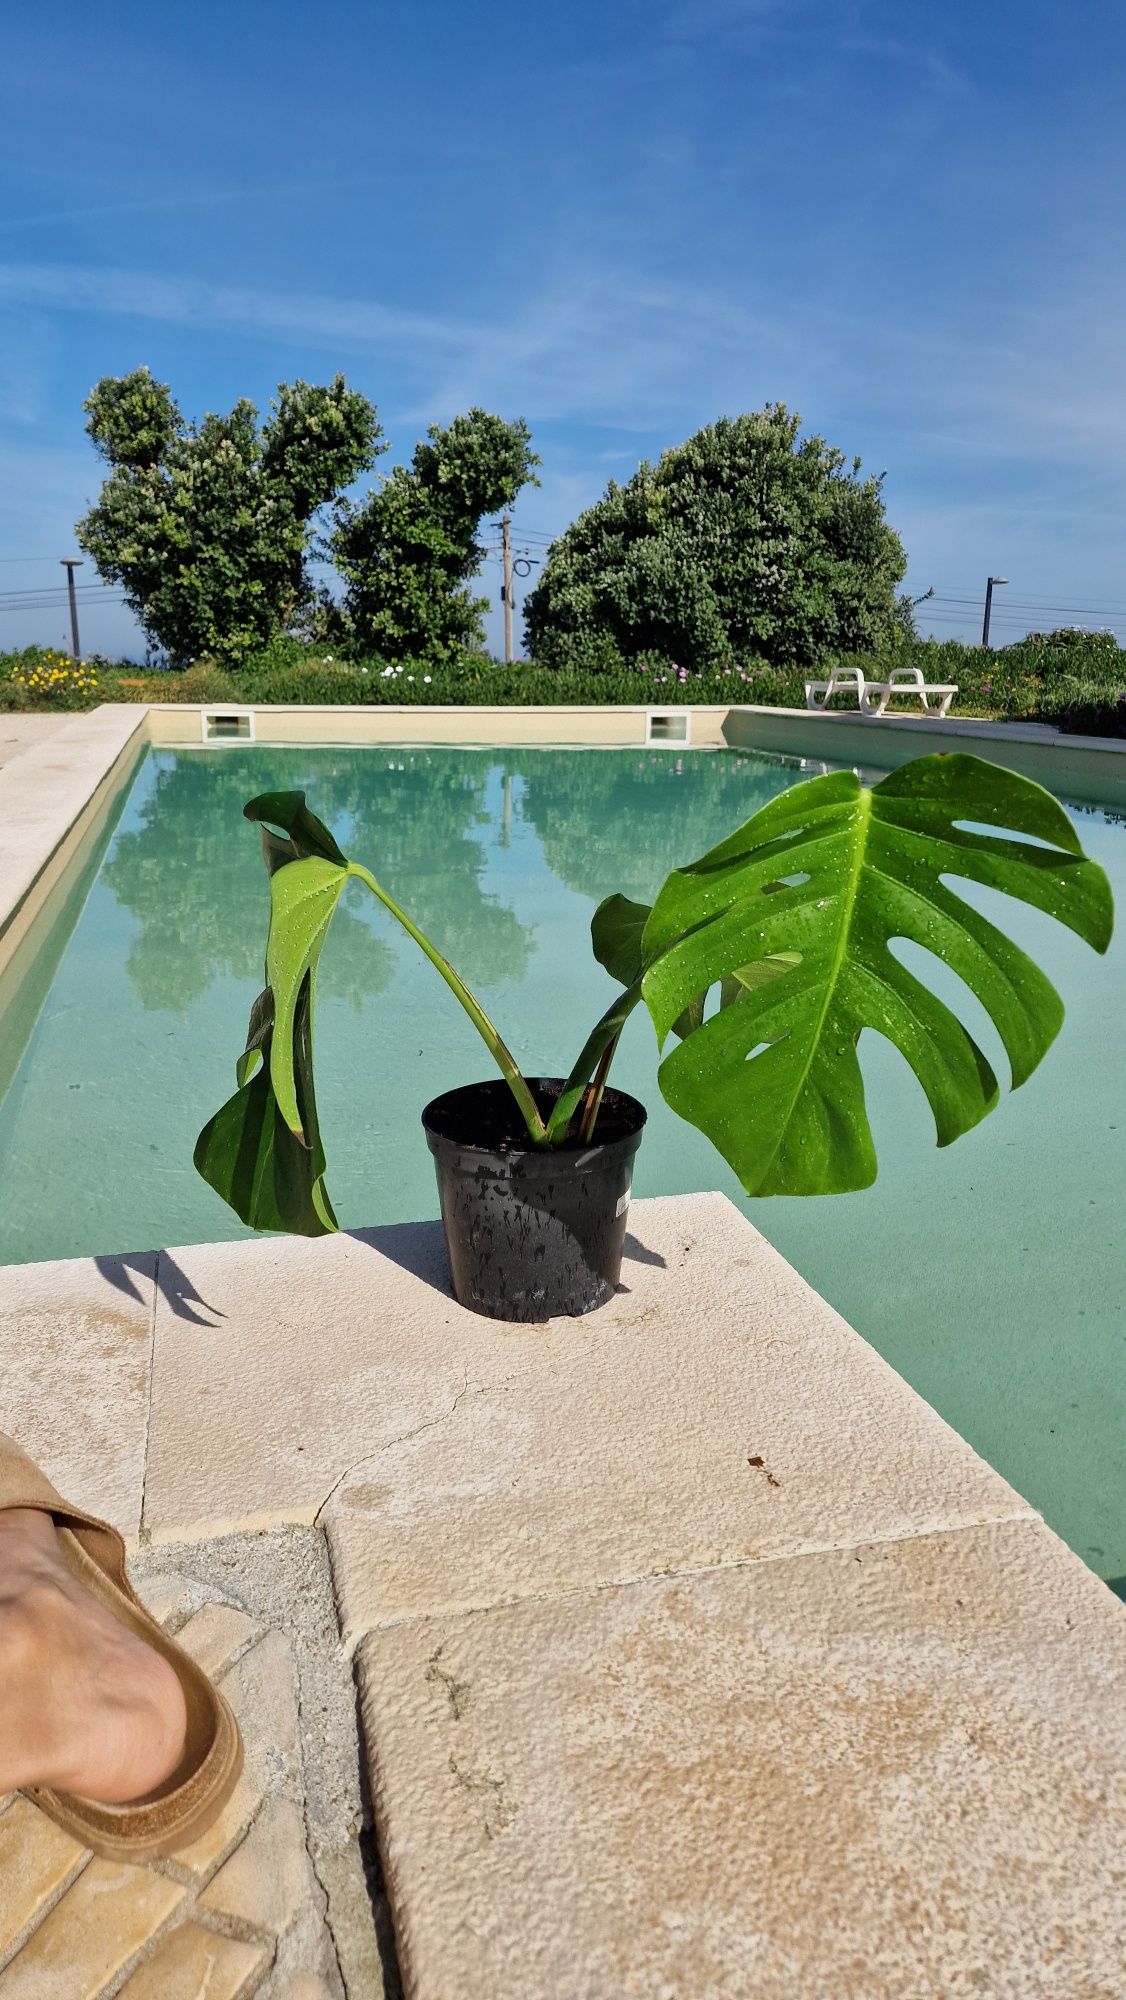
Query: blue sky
[618, 220]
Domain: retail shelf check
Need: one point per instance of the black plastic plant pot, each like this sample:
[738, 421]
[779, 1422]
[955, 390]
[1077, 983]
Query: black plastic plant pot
[531, 1234]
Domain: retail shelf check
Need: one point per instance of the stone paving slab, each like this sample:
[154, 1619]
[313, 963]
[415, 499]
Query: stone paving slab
[699, 1658]
[45, 788]
[22, 732]
[296, 1359]
[716, 1410]
[89, 1938]
[881, 1773]
[75, 1354]
[196, 1964]
[37, 1862]
[269, 1879]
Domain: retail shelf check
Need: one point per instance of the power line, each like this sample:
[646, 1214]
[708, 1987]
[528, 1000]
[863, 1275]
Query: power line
[1017, 609]
[38, 589]
[968, 590]
[10, 600]
[59, 604]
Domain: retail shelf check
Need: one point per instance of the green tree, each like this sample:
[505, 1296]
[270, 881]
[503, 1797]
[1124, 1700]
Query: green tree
[579, 806]
[409, 551]
[747, 540]
[197, 896]
[208, 527]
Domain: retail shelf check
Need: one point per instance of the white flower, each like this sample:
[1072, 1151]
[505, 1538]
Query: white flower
[426, 677]
[386, 674]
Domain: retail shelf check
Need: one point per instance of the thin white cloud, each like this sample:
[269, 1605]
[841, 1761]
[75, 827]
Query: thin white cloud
[926, 64]
[144, 295]
[232, 197]
[594, 346]
[624, 350]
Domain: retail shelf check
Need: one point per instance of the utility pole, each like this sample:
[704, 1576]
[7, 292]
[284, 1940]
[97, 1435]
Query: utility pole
[506, 593]
[989, 583]
[70, 564]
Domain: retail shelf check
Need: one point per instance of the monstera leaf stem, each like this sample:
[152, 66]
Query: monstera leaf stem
[592, 1101]
[594, 1059]
[497, 1047]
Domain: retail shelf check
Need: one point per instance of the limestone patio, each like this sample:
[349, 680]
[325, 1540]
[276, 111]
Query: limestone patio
[695, 1655]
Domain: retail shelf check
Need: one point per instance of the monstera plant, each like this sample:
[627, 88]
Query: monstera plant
[759, 966]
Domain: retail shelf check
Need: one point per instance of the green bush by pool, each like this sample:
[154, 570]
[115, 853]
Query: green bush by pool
[1073, 680]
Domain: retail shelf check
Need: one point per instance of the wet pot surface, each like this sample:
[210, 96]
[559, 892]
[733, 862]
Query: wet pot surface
[531, 1234]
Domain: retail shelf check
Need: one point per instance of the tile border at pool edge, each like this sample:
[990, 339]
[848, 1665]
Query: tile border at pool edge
[1091, 770]
[567, 726]
[1087, 769]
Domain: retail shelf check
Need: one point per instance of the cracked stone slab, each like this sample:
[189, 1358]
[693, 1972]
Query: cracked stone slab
[268, 1881]
[717, 1409]
[882, 1772]
[297, 1359]
[75, 1354]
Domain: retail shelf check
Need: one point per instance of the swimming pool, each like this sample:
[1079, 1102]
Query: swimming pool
[992, 1275]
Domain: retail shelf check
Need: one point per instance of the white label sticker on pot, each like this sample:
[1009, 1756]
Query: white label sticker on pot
[623, 1203]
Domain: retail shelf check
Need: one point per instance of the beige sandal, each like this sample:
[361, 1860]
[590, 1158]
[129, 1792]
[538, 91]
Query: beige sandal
[195, 1794]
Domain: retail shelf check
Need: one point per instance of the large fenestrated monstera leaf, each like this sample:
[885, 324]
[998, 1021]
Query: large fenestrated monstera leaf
[262, 1151]
[772, 1077]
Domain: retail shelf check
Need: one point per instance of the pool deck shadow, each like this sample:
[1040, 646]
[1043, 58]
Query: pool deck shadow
[127, 1272]
[415, 1247]
[419, 1248]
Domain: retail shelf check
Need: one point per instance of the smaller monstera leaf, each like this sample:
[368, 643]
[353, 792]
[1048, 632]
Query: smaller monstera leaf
[262, 1151]
[303, 896]
[247, 1152]
[616, 931]
[772, 1077]
[305, 833]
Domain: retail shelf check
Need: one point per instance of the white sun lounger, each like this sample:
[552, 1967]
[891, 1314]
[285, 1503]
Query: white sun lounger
[873, 696]
[907, 681]
[842, 680]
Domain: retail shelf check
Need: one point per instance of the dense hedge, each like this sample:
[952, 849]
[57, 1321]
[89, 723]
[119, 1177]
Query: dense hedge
[1074, 681]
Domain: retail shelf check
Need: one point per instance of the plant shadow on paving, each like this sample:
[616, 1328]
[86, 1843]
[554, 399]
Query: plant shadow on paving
[173, 1284]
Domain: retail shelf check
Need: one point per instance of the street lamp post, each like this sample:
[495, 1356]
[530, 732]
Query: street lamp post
[70, 564]
[989, 583]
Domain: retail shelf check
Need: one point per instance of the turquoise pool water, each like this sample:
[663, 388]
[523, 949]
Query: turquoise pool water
[993, 1275]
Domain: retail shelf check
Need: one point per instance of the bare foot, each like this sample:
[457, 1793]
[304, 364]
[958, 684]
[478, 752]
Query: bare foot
[84, 1705]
